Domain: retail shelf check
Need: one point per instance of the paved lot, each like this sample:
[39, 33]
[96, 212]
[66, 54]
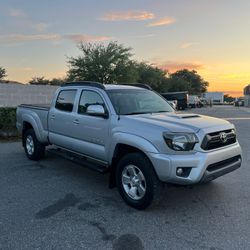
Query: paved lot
[55, 204]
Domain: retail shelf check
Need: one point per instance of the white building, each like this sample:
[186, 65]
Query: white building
[215, 97]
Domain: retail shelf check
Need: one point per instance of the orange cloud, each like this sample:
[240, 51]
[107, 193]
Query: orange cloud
[128, 15]
[163, 21]
[174, 66]
[86, 38]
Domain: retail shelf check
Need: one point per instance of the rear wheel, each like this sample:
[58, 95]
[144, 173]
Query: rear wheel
[137, 182]
[33, 148]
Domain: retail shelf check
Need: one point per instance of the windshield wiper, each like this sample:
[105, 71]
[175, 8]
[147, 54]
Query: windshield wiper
[161, 111]
[149, 112]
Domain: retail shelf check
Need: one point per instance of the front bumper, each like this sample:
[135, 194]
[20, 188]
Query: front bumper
[202, 164]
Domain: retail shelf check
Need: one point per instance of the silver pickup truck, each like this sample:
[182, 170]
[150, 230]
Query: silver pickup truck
[132, 133]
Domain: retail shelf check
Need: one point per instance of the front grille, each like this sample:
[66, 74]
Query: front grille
[218, 139]
[222, 164]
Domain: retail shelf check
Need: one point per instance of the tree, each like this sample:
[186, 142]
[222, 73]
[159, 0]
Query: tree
[174, 84]
[228, 98]
[109, 63]
[39, 81]
[57, 81]
[189, 80]
[2, 73]
[151, 75]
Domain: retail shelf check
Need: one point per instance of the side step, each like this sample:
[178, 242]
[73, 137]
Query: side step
[79, 159]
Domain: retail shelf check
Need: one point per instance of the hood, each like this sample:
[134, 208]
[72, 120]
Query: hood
[181, 122]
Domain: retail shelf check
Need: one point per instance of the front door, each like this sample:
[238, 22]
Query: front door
[91, 132]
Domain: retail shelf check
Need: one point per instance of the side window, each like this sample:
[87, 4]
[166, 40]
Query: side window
[65, 100]
[89, 97]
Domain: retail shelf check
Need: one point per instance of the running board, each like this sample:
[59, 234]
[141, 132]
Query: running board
[80, 160]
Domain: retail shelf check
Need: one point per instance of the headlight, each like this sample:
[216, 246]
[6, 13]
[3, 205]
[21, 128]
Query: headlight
[180, 141]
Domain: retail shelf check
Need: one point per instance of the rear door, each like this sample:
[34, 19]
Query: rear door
[61, 118]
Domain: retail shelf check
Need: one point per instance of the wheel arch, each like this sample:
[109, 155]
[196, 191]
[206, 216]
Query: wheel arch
[33, 122]
[122, 149]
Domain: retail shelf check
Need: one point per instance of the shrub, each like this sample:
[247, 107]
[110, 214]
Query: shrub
[2, 73]
[8, 122]
[39, 81]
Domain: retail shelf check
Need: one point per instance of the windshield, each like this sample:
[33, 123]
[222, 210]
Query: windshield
[141, 101]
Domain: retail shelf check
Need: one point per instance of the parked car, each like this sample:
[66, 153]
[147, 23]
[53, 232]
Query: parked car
[133, 134]
[181, 97]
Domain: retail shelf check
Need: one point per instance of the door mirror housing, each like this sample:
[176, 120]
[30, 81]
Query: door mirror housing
[96, 110]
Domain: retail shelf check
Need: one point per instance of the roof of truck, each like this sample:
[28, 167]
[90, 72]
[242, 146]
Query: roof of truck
[107, 86]
[118, 86]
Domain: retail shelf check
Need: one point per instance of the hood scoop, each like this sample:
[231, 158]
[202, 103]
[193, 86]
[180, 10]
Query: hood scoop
[190, 116]
[185, 116]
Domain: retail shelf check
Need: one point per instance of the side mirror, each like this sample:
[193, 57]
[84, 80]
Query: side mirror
[96, 110]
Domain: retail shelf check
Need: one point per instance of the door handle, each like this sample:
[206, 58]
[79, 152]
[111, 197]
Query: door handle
[76, 122]
[52, 117]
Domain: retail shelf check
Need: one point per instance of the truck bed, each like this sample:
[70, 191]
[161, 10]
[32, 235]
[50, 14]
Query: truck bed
[39, 118]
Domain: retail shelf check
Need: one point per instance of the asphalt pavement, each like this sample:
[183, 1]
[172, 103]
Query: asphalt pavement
[56, 204]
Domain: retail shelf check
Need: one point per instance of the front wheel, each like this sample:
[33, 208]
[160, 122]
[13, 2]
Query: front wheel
[137, 182]
[33, 148]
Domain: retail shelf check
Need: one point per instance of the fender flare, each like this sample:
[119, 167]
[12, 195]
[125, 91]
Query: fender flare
[35, 122]
[131, 140]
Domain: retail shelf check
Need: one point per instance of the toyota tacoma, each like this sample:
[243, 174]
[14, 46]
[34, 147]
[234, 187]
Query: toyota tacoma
[132, 133]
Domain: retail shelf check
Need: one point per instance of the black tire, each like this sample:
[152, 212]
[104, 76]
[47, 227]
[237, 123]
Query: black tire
[38, 151]
[153, 186]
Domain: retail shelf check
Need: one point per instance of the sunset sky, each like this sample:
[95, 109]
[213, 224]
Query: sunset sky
[212, 37]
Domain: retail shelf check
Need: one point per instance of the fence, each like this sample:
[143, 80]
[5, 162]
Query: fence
[12, 95]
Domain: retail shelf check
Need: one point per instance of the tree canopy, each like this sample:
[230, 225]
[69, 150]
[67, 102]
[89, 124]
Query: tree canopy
[228, 98]
[188, 80]
[106, 64]
[39, 81]
[57, 81]
[150, 75]
[2, 73]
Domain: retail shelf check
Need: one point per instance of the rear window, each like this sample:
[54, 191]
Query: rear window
[65, 100]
